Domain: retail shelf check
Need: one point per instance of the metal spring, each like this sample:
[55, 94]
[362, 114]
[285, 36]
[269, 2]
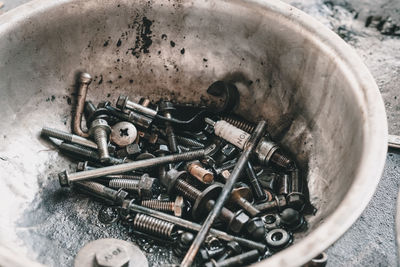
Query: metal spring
[153, 225]
[187, 190]
[124, 183]
[158, 205]
[239, 123]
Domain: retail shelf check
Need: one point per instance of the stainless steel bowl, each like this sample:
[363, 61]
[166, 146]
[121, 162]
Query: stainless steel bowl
[319, 98]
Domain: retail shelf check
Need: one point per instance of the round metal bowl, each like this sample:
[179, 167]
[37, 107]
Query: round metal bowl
[320, 100]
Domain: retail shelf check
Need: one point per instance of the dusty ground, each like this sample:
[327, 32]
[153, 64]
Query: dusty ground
[373, 29]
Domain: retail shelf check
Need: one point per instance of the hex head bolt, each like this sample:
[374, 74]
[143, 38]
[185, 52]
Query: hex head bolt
[200, 173]
[266, 150]
[227, 189]
[166, 107]
[131, 206]
[87, 153]
[146, 187]
[101, 191]
[66, 179]
[84, 81]
[100, 131]
[123, 102]
[242, 197]
[259, 193]
[174, 206]
[239, 260]
[296, 198]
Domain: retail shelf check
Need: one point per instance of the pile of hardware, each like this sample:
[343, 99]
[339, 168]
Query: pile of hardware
[198, 176]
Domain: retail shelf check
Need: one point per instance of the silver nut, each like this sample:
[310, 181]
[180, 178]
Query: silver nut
[123, 133]
[112, 256]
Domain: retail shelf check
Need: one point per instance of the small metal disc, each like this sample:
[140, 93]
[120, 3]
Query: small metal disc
[110, 252]
[123, 133]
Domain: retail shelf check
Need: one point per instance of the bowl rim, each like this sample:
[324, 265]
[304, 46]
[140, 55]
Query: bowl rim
[375, 133]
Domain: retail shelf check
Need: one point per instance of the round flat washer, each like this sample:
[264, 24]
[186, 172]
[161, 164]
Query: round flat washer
[277, 238]
[211, 192]
[110, 252]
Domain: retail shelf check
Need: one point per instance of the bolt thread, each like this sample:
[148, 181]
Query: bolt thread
[189, 142]
[57, 134]
[92, 187]
[158, 205]
[153, 225]
[124, 183]
[189, 155]
[123, 176]
[281, 160]
[239, 123]
[187, 190]
[172, 143]
[91, 154]
[100, 137]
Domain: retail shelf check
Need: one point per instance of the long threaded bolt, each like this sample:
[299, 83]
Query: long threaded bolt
[151, 225]
[66, 179]
[84, 81]
[83, 166]
[100, 130]
[65, 136]
[258, 192]
[239, 260]
[88, 153]
[174, 206]
[187, 190]
[189, 141]
[242, 196]
[102, 191]
[146, 187]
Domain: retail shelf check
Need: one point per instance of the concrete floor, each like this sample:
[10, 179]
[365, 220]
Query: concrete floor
[371, 240]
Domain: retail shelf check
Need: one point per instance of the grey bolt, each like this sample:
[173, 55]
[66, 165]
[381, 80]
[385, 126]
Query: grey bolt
[90, 154]
[65, 136]
[174, 206]
[258, 192]
[146, 187]
[102, 191]
[66, 179]
[100, 131]
[166, 108]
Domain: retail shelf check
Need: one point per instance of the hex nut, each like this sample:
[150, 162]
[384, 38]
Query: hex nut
[238, 222]
[123, 133]
[147, 186]
[112, 256]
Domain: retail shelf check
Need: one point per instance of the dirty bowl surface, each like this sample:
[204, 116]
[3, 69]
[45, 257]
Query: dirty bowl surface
[319, 99]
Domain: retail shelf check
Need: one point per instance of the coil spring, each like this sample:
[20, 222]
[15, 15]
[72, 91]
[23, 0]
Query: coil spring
[124, 183]
[239, 123]
[158, 205]
[187, 190]
[153, 225]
